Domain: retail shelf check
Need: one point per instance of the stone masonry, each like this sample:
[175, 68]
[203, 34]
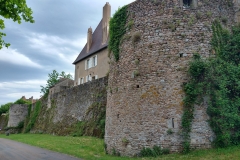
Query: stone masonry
[144, 102]
[69, 106]
[3, 122]
[17, 113]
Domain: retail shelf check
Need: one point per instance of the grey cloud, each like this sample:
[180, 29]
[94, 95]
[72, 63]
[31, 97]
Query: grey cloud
[53, 41]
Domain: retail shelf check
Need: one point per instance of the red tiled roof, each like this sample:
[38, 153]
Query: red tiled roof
[96, 44]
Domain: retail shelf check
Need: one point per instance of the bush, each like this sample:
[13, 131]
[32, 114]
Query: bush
[20, 125]
[156, 151]
[21, 101]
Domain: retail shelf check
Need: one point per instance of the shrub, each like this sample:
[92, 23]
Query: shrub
[20, 125]
[156, 151]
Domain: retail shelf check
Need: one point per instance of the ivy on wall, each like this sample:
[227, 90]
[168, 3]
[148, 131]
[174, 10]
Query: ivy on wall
[32, 117]
[117, 30]
[217, 80]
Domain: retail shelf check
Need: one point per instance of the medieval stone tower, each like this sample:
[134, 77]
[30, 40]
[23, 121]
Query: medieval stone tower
[144, 103]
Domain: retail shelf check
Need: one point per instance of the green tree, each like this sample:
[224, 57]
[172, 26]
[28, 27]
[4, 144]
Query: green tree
[16, 11]
[53, 78]
[4, 108]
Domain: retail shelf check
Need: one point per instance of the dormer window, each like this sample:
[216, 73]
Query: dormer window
[187, 3]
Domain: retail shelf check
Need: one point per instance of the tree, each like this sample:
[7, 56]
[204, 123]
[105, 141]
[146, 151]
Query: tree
[16, 11]
[4, 108]
[53, 78]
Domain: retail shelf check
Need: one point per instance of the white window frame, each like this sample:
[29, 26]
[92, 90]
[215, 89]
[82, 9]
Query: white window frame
[82, 80]
[93, 61]
[88, 63]
[88, 78]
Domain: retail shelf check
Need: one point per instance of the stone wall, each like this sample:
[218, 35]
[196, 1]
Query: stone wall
[3, 122]
[69, 107]
[17, 113]
[144, 102]
[63, 84]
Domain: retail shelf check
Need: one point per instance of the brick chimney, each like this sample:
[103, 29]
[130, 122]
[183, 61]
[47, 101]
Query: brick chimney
[89, 39]
[105, 21]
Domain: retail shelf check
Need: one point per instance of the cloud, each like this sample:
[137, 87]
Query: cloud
[14, 57]
[11, 91]
[52, 42]
[56, 47]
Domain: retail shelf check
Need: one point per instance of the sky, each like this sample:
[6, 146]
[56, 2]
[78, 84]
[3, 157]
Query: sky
[53, 42]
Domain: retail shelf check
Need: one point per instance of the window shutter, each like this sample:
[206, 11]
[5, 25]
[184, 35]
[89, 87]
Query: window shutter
[96, 77]
[86, 78]
[82, 80]
[90, 78]
[85, 64]
[78, 81]
[95, 60]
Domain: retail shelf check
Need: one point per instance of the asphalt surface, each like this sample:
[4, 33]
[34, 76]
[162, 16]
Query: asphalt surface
[11, 150]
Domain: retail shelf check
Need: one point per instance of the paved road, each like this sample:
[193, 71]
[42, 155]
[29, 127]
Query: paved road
[11, 150]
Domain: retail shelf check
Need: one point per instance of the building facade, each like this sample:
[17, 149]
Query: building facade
[92, 62]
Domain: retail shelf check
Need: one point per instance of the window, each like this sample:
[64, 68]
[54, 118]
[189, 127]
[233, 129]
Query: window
[172, 122]
[82, 80]
[88, 78]
[94, 77]
[94, 61]
[91, 62]
[187, 3]
[88, 64]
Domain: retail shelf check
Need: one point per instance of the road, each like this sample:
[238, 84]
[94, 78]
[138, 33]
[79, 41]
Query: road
[11, 150]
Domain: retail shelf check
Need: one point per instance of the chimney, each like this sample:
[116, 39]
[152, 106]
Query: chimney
[105, 21]
[89, 39]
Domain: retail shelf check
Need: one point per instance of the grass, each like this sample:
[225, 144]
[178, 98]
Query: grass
[90, 148]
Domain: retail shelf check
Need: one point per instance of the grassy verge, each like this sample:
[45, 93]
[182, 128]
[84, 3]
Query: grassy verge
[90, 148]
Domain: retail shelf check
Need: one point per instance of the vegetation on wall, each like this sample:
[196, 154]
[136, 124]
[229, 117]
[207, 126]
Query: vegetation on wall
[117, 30]
[217, 80]
[22, 101]
[32, 117]
[96, 116]
[5, 108]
